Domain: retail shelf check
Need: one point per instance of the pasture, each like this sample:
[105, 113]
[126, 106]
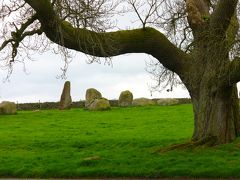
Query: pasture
[123, 142]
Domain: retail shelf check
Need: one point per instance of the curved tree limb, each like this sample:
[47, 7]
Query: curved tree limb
[146, 40]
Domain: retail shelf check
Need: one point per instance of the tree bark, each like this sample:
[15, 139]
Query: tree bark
[216, 115]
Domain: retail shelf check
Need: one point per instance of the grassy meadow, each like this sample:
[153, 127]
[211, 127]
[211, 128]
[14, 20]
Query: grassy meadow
[123, 142]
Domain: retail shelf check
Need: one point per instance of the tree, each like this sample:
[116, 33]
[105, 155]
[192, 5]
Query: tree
[196, 39]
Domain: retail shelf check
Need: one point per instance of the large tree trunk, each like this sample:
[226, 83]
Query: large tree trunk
[216, 115]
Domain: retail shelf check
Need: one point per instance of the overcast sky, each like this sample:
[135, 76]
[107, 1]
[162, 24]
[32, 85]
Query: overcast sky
[40, 83]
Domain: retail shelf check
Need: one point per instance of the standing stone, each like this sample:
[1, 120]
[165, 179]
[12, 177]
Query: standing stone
[66, 100]
[91, 95]
[8, 108]
[125, 98]
[101, 104]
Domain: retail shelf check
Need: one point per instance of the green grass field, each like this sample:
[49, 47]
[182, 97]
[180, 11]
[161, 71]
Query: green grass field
[123, 142]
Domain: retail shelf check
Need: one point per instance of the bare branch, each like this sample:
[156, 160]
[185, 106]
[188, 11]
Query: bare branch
[133, 4]
[164, 78]
[88, 14]
[222, 15]
[146, 11]
[7, 10]
[5, 43]
[19, 35]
